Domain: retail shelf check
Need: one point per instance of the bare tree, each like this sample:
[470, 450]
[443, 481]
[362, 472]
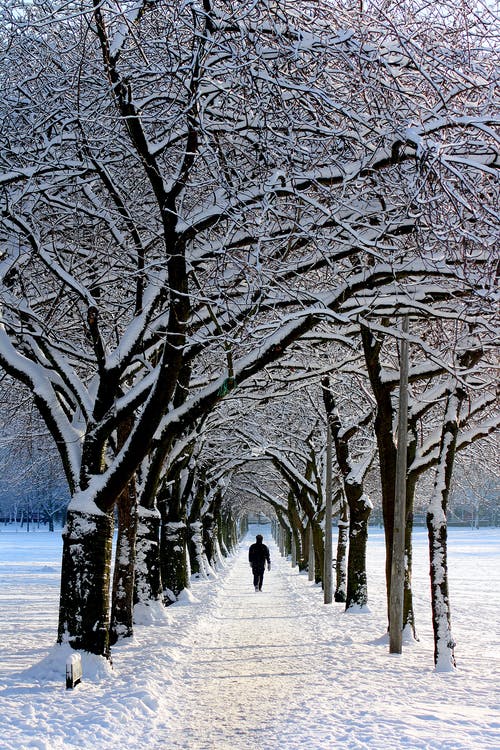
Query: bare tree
[189, 189]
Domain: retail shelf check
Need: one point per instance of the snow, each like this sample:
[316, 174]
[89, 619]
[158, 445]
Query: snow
[232, 669]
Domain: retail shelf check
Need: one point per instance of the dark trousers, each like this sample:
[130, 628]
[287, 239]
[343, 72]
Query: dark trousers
[258, 576]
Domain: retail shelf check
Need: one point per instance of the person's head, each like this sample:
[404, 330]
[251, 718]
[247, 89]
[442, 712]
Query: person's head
[259, 538]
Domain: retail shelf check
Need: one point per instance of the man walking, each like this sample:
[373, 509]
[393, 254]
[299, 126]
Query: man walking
[258, 555]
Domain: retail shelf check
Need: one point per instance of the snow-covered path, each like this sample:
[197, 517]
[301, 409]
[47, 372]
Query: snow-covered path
[256, 677]
[279, 670]
[231, 669]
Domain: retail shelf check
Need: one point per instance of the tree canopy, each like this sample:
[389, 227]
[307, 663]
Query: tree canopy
[189, 190]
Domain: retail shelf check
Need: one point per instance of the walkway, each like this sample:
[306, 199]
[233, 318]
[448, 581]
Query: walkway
[256, 670]
[240, 670]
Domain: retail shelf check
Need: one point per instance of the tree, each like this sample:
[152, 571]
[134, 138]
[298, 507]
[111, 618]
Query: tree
[360, 505]
[469, 353]
[432, 359]
[187, 191]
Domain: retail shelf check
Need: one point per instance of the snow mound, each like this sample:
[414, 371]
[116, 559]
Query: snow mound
[150, 613]
[187, 597]
[358, 609]
[52, 668]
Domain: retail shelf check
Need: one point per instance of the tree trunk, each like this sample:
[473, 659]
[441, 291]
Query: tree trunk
[283, 538]
[444, 643]
[319, 552]
[341, 561]
[219, 530]
[409, 623]
[297, 530]
[196, 550]
[234, 530]
[287, 541]
[209, 538]
[85, 581]
[357, 585]
[358, 503]
[310, 553]
[175, 569]
[226, 539]
[384, 422]
[121, 625]
[303, 559]
[148, 582]
[294, 552]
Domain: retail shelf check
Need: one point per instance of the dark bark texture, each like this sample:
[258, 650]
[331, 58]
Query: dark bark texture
[174, 560]
[85, 576]
[148, 583]
[341, 560]
[122, 599]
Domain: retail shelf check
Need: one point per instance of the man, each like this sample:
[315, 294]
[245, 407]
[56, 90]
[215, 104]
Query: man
[258, 555]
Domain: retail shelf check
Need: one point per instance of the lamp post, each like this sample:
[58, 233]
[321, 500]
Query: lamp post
[398, 543]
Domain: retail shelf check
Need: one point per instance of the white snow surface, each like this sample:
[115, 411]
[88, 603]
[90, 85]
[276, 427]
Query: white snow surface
[227, 668]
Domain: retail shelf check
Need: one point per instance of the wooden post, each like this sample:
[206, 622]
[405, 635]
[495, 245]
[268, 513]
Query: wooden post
[73, 670]
[327, 573]
[398, 546]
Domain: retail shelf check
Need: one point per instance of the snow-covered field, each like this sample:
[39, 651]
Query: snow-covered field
[231, 669]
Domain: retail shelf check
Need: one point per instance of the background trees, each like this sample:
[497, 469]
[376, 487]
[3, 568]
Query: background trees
[32, 485]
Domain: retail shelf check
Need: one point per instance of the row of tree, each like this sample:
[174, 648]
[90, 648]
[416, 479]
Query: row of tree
[207, 205]
[278, 456]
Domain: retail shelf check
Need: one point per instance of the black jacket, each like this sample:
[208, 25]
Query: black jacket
[258, 555]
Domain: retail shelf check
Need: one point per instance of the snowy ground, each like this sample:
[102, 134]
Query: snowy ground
[236, 670]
